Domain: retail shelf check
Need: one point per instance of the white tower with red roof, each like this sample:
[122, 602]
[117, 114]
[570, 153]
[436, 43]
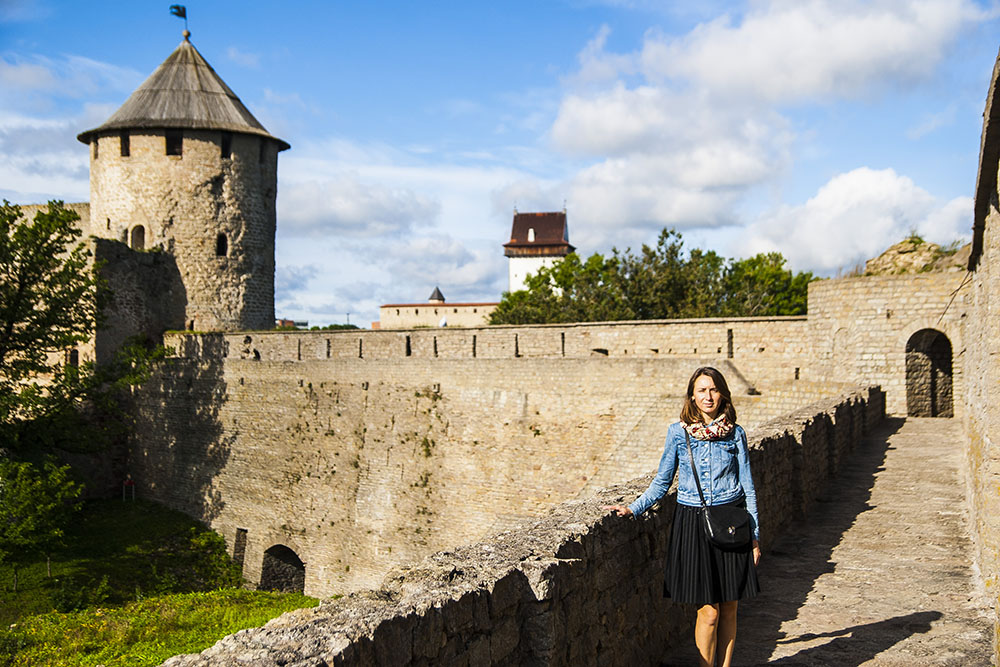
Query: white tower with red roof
[536, 240]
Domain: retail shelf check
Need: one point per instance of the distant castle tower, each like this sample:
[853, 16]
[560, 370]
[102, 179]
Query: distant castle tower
[185, 167]
[536, 240]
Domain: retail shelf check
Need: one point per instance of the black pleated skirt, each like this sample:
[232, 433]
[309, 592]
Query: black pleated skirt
[699, 572]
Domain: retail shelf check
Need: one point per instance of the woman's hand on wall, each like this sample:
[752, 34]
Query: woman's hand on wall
[620, 510]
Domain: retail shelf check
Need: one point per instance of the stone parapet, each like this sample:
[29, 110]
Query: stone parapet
[577, 586]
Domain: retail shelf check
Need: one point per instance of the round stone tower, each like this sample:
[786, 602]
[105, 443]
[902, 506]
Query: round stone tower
[183, 167]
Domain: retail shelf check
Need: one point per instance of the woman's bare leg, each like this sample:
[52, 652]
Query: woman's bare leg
[726, 633]
[705, 628]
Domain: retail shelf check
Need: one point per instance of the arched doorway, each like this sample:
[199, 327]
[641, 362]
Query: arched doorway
[137, 239]
[928, 375]
[282, 570]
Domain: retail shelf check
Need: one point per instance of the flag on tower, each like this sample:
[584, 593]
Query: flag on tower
[179, 11]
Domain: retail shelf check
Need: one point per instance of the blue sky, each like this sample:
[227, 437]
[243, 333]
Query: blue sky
[826, 130]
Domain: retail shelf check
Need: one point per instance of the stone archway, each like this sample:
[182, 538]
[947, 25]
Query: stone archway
[282, 570]
[929, 391]
[137, 239]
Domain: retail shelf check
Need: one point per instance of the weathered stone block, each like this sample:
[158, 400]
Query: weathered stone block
[504, 639]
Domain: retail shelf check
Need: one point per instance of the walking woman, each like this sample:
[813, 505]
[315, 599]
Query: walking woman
[698, 572]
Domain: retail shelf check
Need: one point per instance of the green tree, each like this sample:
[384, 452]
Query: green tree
[658, 282]
[661, 283]
[36, 503]
[333, 327]
[761, 285]
[567, 291]
[653, 280]
[49, 300]
[51, 294]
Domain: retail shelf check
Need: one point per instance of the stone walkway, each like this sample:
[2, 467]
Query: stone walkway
[880, 572]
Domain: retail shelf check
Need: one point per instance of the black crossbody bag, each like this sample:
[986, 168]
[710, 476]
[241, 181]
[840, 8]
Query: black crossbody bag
[725, 526]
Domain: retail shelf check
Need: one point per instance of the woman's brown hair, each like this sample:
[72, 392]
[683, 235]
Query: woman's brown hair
[690, 414]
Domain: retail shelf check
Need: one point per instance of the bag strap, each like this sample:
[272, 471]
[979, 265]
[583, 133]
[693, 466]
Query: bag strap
[694, 470]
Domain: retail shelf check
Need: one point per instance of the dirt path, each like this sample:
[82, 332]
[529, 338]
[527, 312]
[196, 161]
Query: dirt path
[880, 572]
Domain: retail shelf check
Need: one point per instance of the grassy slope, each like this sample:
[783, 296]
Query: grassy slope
[157, 563]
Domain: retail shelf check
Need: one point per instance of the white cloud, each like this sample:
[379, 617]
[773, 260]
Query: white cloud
[242, 57]
[933, 121]
[25, 76]
[683, 130]
[853, 217]
[71, 76]
[40, 116]
[289, 279]
[788, 51]
[345, 206]
[439, 260]
[40, 158]
[597, 66]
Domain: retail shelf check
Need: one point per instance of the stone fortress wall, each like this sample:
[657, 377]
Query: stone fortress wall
[361, 450]
[359, 464]
[327, 458]
[981, 359]
[577, 586]
[867, 330]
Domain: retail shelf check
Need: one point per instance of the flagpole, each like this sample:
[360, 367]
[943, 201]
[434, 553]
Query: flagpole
[180, 11]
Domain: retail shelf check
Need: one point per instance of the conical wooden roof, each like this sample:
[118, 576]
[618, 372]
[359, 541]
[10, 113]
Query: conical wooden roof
[184, 92]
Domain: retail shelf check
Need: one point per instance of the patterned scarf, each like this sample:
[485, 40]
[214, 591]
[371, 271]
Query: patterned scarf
[718, 429]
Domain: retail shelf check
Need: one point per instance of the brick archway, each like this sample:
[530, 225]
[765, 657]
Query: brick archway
[282, 570]
[929, 381]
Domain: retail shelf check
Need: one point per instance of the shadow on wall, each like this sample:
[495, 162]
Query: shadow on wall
[147, 296]
[282, 571]
[180, 445]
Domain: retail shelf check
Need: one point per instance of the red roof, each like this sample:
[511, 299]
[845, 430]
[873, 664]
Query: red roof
[551, 234]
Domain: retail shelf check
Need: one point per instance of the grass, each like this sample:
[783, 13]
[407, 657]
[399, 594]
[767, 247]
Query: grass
[135, 584]
[141, 633]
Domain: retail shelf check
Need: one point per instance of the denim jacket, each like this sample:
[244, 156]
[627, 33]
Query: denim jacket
[723, 466]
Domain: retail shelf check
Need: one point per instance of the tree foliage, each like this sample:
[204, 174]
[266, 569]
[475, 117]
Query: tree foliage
[761, 285]
[51, 295]
[48, 304]
[36, 503]
[659, 282]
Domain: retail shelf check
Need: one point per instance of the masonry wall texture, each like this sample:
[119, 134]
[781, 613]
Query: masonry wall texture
[860, 328]
[183, 203]
[360, 450]
[412, 315]
[132, 277]
[577, 586]
[358, 463]
[981, 359]
[80, 208]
